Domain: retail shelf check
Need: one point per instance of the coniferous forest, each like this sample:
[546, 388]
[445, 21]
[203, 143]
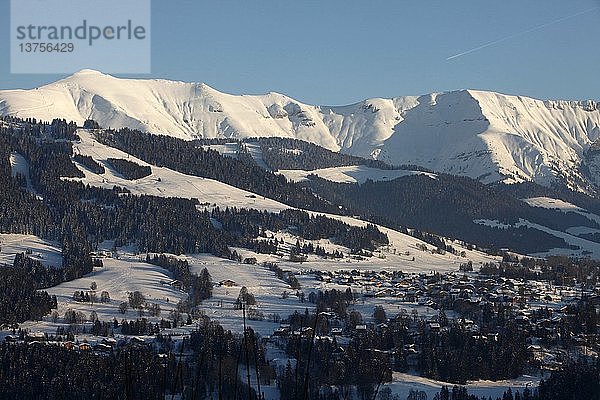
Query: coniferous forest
[448, 205]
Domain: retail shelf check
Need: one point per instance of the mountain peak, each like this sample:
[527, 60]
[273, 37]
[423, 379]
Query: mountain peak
[87, 71]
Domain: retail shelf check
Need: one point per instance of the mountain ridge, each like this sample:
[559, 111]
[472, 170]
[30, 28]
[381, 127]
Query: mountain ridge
[484, 135]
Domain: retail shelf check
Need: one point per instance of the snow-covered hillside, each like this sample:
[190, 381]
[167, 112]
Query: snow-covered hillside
[403, 251]
[165, 182]
[44, 251]
[350, 174]
[484, 135]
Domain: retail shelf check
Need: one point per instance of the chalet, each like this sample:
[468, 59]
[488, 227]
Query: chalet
[493, 336]
[102, 348]
[227, 283]
[69, 345]
[176, 284]
[137, 340]
[307, 331]
[385, 293]
[37, 336]
[281, 332]
[109, 341]
[85, 347]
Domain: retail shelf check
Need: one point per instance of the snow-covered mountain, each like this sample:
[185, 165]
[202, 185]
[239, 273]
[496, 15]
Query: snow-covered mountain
[483, 135]
[490, 136]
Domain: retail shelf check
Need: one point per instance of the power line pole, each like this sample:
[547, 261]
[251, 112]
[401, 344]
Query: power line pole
[246, 351]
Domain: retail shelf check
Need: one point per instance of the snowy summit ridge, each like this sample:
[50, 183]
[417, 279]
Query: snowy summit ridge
[484, 135]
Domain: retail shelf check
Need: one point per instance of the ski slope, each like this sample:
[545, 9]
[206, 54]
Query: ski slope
[165, 182]
[20, 166]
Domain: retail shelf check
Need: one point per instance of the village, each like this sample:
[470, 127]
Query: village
[336, 309]
[547, 314]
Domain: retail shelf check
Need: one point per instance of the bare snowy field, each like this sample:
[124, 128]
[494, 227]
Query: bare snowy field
[350, 174]
[118, 277]
[403, 383]
[48, 253]
[259, 280]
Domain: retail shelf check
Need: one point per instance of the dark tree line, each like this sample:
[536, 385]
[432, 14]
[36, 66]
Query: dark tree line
[454, 355]
[321, 365]
[19, 298]
[20, 212]
[58, 128]
[89, 163]
[286, 276]
[286, 153]
[41, 371]
[253, 223]
[557, 269]
[129, 169]
[576, 380]
[209, 362]
[333, 300]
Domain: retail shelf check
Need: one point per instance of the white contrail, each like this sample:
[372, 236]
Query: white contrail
[536, 28]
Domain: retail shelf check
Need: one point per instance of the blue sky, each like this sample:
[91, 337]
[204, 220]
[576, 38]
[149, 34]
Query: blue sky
[338, 52]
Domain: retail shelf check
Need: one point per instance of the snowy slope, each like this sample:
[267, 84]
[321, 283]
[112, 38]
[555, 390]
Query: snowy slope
[184, 110]
[44, 251]
[211, 193]
[119, 277]
[350, 174]
[490, 136]
[484, 135]
[561, 205]
[165, 182]
[19, 166]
